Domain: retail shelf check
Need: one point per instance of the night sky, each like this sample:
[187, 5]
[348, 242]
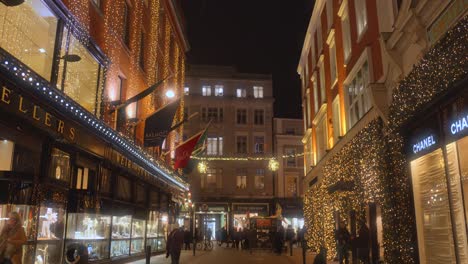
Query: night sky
[256, 36]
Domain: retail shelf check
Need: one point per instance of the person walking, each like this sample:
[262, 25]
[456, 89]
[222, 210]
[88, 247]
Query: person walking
[187, 239]
[362, 243]
[279, 240]
[342, 237]
[12, 239]
[174, 244]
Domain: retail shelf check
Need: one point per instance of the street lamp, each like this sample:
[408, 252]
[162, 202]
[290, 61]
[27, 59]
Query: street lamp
[170, 93]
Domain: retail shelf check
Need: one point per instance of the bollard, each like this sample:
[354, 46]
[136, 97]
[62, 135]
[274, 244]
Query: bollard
[194, 246]
[290, 247]
[148, 254]
[304, 252]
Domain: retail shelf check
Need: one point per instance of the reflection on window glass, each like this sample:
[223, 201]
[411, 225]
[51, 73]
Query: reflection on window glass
[80, 81]
[50, 233]
[60, 165]
[28, 32]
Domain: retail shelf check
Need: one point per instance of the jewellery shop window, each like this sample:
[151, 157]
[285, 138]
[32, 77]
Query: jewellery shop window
[121, 229]
[155, 232]
[138, 235]
[50, 235]
[92, 230]
[28, 217]
[60, 165]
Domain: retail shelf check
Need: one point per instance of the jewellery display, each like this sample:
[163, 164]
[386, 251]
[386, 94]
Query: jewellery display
[120, 248]
[121, 226]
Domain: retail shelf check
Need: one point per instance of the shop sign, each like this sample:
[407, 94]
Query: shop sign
[252, 208]
[14, 102]
[442, 24]
[211, 207]
[459, 125]
[123, 161]
[424, 144]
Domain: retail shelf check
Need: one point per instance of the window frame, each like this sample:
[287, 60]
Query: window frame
[360, 9]
[259, 119]
[241, 115]
[219, 90]
[206, 90]
[241, 93]
[244, 141]
[259, 145]
[343, 13]
[258, 92]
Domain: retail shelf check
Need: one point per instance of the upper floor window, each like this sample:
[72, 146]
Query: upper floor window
[241, 93]
[359, 101]
[332, 57]
[219, 90]
[241, 116]
[126, 24]
[308, 116]
[186, 90]
[316, 94]
[6, 155]
[214, 146]
[329, 13]
[259, 144]
[105, 181]
[322, 136]
[345, 26]
[214, 114]
[124, 188]
[361, 16]
[84, 178]
[258, 91]
[259, 116]
[212, 178]
[336, 119]
[206, 90]
[131, 111]
[241, 178]
[312, 51]
[323, 94]
[260, 179]
[241, 144]
[59, 165]
[291, 157]
[319, 37]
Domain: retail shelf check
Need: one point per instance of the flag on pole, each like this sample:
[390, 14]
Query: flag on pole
[200, 146]
[184, 151]
[158, 125]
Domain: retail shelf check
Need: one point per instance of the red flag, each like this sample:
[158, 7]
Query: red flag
[184, 151]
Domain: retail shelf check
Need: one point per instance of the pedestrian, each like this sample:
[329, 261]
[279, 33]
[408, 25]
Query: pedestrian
[362, 243]
[174, 244]
[342, 243]
[290, 235]
[187, 238]
[279, 240]
[209, 234]
[77, 254]
[12, 239]
[237, 237]
[300, 235]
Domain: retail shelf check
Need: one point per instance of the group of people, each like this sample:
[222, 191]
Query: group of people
[345, 242]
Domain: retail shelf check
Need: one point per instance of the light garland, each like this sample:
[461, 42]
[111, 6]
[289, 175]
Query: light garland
[248, 158]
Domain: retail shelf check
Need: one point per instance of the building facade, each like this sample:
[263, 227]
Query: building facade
[371, 71]
[238, 108]
[288, 149]
[72, 164]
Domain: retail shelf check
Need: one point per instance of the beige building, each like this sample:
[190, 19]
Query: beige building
[240, 107]
[288, 187]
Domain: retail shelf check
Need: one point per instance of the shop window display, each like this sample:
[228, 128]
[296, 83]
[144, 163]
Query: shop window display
[92, 230]
[60, 165]
[156, 228]
[121, 229]
[138, 234]
[50, 235]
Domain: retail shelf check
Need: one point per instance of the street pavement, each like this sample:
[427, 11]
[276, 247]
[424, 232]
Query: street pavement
[233, 256]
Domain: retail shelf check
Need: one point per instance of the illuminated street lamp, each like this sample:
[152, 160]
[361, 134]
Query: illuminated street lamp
[170, 93]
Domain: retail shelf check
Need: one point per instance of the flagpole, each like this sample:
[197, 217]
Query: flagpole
[201, 132]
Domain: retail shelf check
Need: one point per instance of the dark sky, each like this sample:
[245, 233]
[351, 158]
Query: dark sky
[256, 36]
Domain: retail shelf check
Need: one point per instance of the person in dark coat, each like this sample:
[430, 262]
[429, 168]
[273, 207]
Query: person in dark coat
[187, 239]
[174, 244]
[342, 243]
[279, 240]
[363, 243]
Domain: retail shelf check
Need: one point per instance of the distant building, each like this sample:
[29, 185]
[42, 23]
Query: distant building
[288, 148]
[240, 107]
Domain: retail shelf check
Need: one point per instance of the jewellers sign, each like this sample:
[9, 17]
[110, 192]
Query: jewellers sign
[15, 103]
[251, 208]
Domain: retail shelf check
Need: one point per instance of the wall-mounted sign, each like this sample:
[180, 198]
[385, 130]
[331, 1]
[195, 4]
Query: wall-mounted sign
[424, 144]
[252, 208]
[459, 125]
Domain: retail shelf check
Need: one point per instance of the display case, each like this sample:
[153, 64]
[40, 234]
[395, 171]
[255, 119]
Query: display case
[92, 230]
[121, 230]
[138, 236]
[50, 235]
[28, 216]
[156, 231]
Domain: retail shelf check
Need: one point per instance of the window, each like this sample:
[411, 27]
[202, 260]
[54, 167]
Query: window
[312, 50]
[28, 33]
[241, 116]
[291, 186]
[124, 189]
[206, 90]
[186, 90]
[259, 144]
[336, 119]
[308, 116]
[140, 193]
[323, 94]
[241, 93]
[141, 57]
[316, 95]
[333, 69]
[258, 116]
[131, 111]
[105, 181]
[319, 37]
[258, 91]
[81, 80]
[322, 137]
[329, 13]
[211, 179]
[214, 146]
[126, 24]
[219, 90]
[358, 96]
[291, 159]
[60, 165]
[215, 114]
[6, 155]
[84, 178]
[241, 178]
[260, 179]
[361, 16]
[241, 142]
[115, 92]
[345, 26]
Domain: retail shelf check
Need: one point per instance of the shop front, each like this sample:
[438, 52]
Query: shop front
[437, 150]
[292, 213]
[242, 212]
[210, 218]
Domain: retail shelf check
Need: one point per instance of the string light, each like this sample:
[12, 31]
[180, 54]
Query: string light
[273, 165]
[202, 167]
[248, 158]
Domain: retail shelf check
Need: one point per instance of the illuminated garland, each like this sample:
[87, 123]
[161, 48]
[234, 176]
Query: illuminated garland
[222, 158]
